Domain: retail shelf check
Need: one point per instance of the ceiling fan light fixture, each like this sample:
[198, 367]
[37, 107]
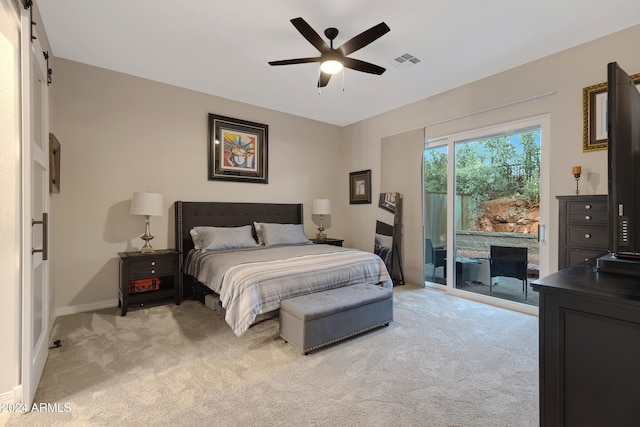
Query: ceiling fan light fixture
[333, 60]
[331, 66]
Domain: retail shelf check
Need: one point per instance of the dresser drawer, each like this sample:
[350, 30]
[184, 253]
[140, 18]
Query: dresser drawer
[593, 236]
[587, 212]
[151, 267]
[574, 256]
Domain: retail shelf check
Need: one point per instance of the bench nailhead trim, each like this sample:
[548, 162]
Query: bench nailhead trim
[344, 337]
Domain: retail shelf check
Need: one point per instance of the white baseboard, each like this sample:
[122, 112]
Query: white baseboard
[6, 397]
[73, 309]
[14, 396]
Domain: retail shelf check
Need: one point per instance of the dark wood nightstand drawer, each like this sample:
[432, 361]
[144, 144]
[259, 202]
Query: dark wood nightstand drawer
[328, 241]
[150, 267]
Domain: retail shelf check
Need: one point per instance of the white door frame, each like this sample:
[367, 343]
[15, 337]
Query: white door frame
[544, 122]
[35, 202]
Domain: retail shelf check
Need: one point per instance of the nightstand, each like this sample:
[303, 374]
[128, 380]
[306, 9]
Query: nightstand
[328, 241]
[161, 265]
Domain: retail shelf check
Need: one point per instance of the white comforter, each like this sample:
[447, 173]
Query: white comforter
[252, 282]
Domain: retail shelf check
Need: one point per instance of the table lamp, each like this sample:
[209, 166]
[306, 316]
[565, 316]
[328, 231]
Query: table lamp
[147, 204]
[321, 207]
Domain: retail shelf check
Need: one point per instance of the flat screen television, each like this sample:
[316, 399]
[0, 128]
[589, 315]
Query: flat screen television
[623, 133]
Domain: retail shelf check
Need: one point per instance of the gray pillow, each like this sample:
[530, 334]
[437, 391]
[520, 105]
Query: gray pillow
[282, 234]
[221, 238]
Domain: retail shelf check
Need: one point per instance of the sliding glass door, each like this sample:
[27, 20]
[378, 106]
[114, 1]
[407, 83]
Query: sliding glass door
[483, 212]
[436, 161]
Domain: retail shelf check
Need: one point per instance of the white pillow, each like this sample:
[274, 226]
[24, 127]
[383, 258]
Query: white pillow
[282, 234]
[220, 238]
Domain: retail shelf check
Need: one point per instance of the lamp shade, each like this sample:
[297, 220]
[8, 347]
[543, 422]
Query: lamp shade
[331, 66]
[144, 203]
[321, 207]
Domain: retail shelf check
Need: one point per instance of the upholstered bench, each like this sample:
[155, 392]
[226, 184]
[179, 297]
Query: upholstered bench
[312, 321]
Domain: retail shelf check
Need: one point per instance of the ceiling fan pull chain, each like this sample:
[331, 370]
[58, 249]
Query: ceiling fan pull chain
[343, 79]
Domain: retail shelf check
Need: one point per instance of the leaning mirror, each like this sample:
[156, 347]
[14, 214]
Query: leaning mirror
[388, 236]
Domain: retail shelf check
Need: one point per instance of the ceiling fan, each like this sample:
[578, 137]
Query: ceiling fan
[332, 60]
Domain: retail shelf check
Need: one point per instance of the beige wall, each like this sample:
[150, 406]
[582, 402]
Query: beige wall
[398, 153]
[564, 74]
[121, 134]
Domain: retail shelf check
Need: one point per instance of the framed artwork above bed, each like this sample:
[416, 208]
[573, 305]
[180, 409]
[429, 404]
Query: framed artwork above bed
[237, 150]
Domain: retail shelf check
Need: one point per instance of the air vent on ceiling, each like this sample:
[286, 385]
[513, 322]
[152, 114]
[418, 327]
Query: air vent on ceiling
[404, 61]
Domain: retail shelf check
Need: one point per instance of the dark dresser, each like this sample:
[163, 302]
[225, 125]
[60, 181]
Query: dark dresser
[589, 348]
[583, 228]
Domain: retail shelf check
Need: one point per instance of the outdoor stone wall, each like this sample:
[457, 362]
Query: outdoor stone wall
[478, 242]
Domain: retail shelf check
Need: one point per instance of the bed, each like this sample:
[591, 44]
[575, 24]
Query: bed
[252, 280]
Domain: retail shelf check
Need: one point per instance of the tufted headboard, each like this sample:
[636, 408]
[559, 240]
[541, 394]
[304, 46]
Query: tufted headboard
[226, 214]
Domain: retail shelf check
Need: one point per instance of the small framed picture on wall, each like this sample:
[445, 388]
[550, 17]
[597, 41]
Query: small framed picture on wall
[360, 187]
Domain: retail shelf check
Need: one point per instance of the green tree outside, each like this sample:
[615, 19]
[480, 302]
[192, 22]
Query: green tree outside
[488, 169]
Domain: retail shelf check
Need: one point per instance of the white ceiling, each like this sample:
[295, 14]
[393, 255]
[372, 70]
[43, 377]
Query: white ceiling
[221, 47]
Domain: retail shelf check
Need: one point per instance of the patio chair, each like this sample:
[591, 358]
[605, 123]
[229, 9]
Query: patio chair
[509, 261]
[436, 256]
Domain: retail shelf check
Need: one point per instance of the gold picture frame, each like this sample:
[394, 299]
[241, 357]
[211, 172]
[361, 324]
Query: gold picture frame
[594, 115]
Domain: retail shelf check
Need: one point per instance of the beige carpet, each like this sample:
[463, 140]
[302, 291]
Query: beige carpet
[444, 361]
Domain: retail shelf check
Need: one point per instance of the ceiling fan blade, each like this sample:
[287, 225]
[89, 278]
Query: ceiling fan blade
[324, 79]
[295, 61]
[310, 34]
[364, 38]
[365, 67]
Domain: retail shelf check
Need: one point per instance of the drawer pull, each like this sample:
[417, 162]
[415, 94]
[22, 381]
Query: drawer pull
[153, 263]
[587, 236]
[153, 271]
[587, 217]
[587, 207]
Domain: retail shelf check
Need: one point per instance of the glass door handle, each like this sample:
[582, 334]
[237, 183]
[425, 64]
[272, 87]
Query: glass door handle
[541, 230]
[45, 236]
